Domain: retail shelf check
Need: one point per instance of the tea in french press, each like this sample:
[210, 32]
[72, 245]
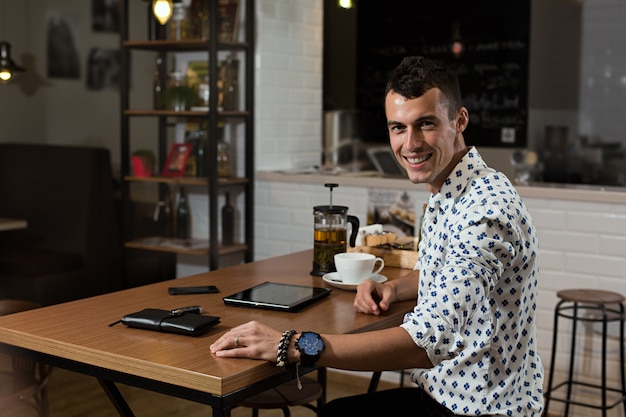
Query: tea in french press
[330, 235]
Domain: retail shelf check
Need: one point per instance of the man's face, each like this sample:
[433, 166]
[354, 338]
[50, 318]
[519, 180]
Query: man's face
[424, 140]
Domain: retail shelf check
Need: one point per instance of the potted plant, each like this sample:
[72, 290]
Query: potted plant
[179, 95]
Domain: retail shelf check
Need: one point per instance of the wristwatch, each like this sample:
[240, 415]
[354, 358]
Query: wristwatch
[310, 345]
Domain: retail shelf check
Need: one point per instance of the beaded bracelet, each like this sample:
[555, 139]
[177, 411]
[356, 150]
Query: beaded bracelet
[283, 347]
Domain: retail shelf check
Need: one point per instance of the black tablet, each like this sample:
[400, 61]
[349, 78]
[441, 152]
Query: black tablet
[277, 296]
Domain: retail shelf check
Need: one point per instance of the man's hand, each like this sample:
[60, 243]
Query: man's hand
[252, 340]
[373, 298]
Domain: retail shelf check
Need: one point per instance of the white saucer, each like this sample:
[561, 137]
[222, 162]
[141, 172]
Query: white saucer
[333, 279]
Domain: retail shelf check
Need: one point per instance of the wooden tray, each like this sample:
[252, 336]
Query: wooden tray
[393, 257]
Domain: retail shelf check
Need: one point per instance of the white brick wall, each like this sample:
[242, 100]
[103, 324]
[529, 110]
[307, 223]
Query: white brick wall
[288, 83]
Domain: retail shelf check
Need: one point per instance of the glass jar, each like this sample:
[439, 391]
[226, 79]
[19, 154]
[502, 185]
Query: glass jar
[179, 22]
[204, 91]
[223, 159]
[178, 94]
[199, 152]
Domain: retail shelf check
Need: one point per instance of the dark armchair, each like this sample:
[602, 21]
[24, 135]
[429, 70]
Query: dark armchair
[70, 249]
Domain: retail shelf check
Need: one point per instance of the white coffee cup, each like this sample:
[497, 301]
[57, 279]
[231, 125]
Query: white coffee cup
[356, 267]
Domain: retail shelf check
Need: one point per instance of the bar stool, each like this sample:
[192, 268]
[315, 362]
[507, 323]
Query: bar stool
[572, 305]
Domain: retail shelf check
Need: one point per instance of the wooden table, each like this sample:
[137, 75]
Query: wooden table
[77, 336]
[12, 224]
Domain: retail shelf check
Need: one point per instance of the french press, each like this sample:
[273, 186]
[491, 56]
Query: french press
[331, 234]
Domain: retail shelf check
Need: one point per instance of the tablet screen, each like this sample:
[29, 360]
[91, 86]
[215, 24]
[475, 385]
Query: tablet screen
[277, 296]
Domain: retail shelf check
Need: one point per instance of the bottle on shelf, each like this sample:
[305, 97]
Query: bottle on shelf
[201, 155]
[228, 222]
[230, 84]
[183, 216]
[169, 215]
[223, 154]
[192, 138]
[179, 22]
[163, 216]
[199, 16]
[159, 84]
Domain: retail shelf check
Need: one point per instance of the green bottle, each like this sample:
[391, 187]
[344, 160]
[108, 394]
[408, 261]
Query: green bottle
[183, 216]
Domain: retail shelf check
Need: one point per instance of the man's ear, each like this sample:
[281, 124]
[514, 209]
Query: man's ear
[462, 119]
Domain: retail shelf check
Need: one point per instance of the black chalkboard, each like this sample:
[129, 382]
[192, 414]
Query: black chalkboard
[492, 67]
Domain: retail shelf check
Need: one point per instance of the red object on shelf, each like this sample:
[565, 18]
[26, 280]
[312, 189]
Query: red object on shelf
[141, 167]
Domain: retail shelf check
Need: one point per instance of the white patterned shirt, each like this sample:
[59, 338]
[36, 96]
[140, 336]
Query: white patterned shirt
[475, 314]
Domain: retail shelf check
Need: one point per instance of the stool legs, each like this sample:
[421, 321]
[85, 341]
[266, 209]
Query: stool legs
[571, 359]
[604, 337]
[622, 340]
[607, 316]
[555, 332]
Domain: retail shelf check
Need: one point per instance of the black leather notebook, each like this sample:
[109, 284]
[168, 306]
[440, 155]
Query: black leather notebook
[277, 296]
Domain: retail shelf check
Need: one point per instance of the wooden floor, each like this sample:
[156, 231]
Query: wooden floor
[76, 395]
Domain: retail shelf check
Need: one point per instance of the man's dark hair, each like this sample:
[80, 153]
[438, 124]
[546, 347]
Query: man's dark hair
[415, 75]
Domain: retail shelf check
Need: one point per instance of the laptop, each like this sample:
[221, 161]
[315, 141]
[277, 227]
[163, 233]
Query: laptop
[385, 162]
[277, 296]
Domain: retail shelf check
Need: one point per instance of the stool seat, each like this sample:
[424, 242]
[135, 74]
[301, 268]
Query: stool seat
[287, 395]
[583, 305]
[591, 296]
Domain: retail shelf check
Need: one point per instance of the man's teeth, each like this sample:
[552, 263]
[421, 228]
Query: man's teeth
[417, 160]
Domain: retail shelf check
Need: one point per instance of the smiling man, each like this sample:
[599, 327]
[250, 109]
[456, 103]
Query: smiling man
[471, 337]
[426, 134]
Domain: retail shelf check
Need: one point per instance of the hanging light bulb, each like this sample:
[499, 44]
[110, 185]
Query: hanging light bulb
[162, 10]
[345, 4]
[7, 66]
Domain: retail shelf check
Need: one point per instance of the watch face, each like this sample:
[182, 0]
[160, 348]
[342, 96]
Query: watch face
[310, 343]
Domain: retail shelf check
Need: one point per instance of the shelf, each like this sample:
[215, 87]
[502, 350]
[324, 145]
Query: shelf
[183, 246]
[184, 113]
[221, 182]
[180, 46]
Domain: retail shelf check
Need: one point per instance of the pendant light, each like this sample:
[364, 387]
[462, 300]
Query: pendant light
[345, 4]
[162, 10]
[8, 68]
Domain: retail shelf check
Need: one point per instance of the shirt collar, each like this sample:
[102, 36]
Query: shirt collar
[458, 179]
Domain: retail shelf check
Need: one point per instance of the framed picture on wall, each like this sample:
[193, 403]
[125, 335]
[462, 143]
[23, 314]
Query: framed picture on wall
[62, 45]
[177, 160]
[105, 16]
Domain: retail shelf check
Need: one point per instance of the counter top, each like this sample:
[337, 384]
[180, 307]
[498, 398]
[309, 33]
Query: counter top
[371, 179]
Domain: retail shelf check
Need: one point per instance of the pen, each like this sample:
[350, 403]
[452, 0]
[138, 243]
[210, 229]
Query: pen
[182, 310]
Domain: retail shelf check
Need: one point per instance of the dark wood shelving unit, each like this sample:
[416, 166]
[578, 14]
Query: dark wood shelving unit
[214, 186]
